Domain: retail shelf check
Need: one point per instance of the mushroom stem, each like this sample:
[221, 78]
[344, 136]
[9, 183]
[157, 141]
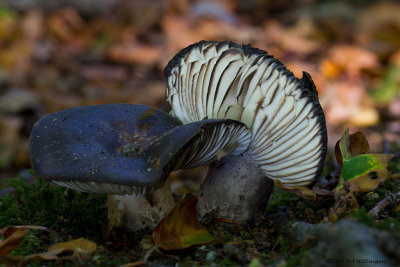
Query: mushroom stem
[235, 188]
[136, 212]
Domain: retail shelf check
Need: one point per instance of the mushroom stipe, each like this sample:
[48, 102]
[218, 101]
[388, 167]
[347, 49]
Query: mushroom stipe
[231, 103]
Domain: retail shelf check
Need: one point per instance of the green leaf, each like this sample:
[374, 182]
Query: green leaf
[366, 172]
[361, 165]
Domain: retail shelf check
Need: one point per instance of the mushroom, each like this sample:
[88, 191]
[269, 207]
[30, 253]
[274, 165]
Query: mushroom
[224, 80]
[234, 106]
[125, 148]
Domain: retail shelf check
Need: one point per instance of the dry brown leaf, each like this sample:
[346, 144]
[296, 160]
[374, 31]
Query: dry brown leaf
[179, 33]
[348, 102]
[12, 238]
[345, 202]
[301, 191]
[80, 247]
[349, 60]
[357, 145]
[296, 39]
[323, 192]
[378, 17]
[134, 53]
[180, 228]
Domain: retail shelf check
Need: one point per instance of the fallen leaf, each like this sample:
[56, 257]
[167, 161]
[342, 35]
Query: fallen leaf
[349, 60]
[322, 192]
[360, 172]
[343, 151]
[301, 191]
[366, 172]
[346, 101]
[345, 202]
[12, 238]
[351, 145]
[358, 144]
[134, 53]
[180, 228]
[80, 247]
[364, 164]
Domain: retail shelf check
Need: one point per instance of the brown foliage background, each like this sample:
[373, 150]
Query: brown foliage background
[61, 54]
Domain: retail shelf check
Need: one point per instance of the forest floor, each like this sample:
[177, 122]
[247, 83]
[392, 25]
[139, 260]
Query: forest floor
[55, 56]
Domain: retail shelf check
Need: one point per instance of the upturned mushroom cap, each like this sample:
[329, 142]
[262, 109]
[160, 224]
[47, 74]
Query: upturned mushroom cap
[121, 148]
[224, 80]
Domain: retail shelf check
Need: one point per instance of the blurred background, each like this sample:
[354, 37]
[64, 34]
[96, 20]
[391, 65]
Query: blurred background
[65, 53]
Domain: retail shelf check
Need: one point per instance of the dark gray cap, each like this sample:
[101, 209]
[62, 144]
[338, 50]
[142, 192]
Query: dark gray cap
[121, 148]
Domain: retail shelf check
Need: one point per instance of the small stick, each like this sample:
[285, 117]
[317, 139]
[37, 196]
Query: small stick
[391, 199]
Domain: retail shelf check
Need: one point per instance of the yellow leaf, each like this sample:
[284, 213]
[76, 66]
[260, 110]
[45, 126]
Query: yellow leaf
[397, 208]
[82, 247]
[365, 172]
[180, 228]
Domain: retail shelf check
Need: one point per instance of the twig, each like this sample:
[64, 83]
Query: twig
[391, 199]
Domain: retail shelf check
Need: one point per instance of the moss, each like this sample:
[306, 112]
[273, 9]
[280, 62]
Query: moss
[298, 259]
[65, 211]
[370, 199]
[391, 223]
[227, 263]
[107, 260]
[280, 198]
[245, 235]
[394, 164]
[288, 256]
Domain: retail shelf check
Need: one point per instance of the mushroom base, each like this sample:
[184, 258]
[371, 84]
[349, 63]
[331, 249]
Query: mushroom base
[135, 212]
[235, 188]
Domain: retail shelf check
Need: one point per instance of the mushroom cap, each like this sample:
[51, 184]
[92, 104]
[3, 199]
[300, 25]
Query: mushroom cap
[224, 80]
[121, 148]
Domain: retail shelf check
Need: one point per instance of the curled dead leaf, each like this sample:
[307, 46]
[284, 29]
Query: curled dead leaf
[323, 192]
[301, 191]
[12, 238]
[134, 53]
[351, 145]
[180, 228]
[80, 247]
